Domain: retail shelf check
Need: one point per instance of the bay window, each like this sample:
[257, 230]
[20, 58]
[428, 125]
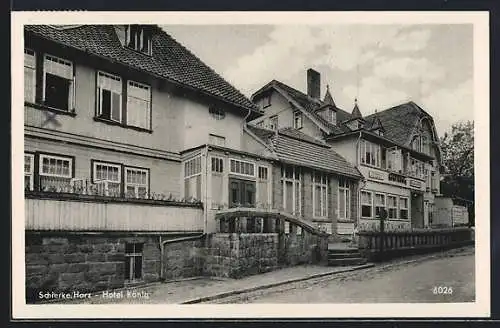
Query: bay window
[109, 96]
[217, 168]
[29, 75]
[242, 167]
[138, 104]
[392, 207]
[58, 83]
[192, 178]
[370, 153]
[366, 204]
[344, 199]
[320, 195]
[403, 208]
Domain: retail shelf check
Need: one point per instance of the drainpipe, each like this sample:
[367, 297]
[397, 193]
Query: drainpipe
[360, 182]
[205, 207]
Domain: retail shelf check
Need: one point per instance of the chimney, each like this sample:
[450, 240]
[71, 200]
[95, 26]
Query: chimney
[313, 83]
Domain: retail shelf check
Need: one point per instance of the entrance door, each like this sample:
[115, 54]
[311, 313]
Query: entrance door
[241, 193]
[417, 210]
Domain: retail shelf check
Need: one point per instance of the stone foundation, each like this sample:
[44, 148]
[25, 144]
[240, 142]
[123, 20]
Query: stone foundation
[91, 263]
[84, 263]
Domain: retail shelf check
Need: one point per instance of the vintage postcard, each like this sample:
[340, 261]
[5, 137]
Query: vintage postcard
[250, 165]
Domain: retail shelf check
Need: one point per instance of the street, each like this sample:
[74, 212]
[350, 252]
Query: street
[444, 279]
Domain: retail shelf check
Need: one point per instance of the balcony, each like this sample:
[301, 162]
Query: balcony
[74, 209]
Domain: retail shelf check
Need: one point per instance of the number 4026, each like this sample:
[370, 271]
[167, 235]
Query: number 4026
[440, 290]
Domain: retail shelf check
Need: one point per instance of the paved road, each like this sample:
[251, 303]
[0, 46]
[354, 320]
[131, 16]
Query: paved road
[408, 283]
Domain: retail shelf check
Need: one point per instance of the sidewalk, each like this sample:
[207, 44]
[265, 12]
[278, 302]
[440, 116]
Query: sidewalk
[195, 290]
[204, 289]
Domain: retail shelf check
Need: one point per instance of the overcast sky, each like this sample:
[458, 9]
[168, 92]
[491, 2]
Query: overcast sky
[382, 65]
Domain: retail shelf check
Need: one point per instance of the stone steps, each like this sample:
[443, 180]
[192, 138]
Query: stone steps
[345, 256]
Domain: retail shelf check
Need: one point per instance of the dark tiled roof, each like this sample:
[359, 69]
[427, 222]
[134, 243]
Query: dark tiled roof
[399, 121]
[170, 60]
[312, 105]
[293, 146]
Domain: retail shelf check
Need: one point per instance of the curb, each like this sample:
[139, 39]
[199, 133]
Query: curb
[252, 289]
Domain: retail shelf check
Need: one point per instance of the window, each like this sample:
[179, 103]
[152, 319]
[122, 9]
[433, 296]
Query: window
[329, 115]
[431, 213]
[370, 153]
[138, 104]
[192, 178]
[415, 145]
[425, 145]
[217, 164]
[320, 195]
[58, 86]
[192, 167]
[29, 166]
[291, 178]
[109, 96]
[403, 208]
[392, 207]
[417, 168]
[262, 172]
[216, 140]
[55, 172]
[242, 168]
[297, 120]
[394, 159]
[379, 204]
[29, 75]
[108, 176]
[216, 112]
[273, 122]
[138, 38]
[344, 199]
[133, 261]
[366, 204]
[241, 193]
[267, 101]
[136, 182]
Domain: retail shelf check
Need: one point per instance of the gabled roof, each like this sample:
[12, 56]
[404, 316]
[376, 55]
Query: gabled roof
[294, 147]
[373, 123]
[310, 105]
[170, 60]
[399, 122]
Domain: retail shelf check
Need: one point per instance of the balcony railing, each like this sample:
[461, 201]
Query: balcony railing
[86, 207]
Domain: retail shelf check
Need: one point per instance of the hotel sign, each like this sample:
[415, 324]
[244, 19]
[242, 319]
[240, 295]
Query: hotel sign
[415, 184]
[376, 175]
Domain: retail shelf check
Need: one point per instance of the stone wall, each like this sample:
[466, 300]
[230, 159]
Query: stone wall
[83, 263]
[236, 255]
[183, 259]
[303, 248]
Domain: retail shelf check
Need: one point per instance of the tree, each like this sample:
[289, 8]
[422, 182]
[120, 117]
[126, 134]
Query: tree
[457, 151]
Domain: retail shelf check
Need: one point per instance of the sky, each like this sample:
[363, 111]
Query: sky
[380, 65]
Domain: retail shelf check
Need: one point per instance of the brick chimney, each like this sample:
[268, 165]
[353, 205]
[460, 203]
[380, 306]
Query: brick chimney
[313, 83]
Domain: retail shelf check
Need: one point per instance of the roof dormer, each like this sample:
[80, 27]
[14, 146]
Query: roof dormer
[356, 121]
[136, 37]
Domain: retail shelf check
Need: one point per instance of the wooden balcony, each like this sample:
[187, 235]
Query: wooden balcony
[52, 211]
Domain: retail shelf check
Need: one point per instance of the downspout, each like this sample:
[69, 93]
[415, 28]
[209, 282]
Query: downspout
[360, 182]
